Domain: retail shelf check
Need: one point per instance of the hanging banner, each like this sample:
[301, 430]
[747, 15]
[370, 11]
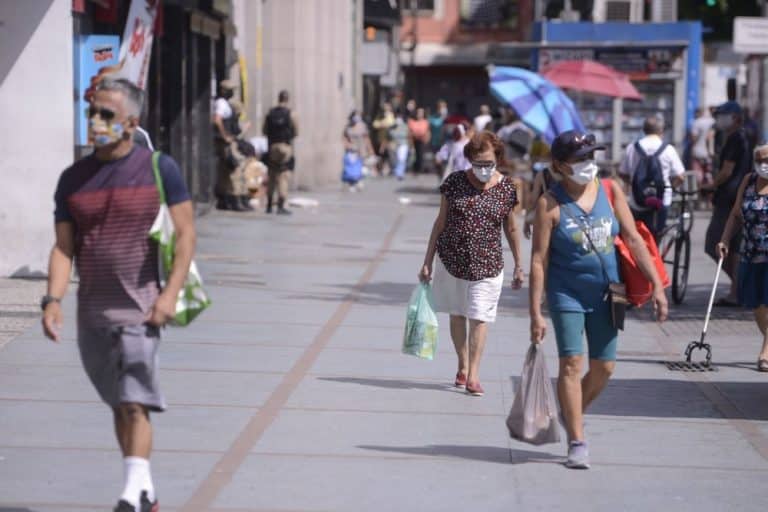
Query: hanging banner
[136, 47]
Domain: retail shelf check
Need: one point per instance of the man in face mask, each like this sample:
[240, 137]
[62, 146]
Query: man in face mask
[637, 159]
[106, 204]
[735, 161]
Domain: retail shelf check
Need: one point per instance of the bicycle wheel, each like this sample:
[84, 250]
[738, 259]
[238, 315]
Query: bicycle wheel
[667, 242]
[680, 267]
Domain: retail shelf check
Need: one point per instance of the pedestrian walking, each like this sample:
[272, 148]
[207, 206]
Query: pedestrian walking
[230, 184]
[483, 119]
[450, 157]
[400, 136]
[106, 204]
[543, 179]
[517, 137]
[358, 146]
[476, 205]
[419, 130]
[750, 215]
[702, 146]
[651, 162]
[574, 261]
[437, 134]
[381, 127]
[280, 127]
[735, 161]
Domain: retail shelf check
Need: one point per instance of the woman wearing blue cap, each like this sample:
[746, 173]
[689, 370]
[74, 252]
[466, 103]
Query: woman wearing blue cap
[574, 260]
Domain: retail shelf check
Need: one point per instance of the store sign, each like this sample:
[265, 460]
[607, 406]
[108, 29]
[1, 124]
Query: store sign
[95, 56]
[136, 48]
[638, 63]
[750, 35]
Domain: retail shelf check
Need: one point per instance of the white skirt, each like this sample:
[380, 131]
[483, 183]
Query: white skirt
[476, 300]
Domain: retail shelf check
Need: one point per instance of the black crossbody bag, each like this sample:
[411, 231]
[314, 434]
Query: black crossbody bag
[616, 293]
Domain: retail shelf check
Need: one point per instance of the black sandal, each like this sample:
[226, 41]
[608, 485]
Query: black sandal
[762, 365]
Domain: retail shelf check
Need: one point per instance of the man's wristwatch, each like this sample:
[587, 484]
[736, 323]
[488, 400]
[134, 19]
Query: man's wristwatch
[47, 299]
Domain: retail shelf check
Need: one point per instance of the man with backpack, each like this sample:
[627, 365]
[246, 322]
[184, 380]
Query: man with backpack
[280, 128]
[652, 168]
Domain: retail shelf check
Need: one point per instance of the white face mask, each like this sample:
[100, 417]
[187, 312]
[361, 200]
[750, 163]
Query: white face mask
[484, 173]
[762, 170]
[583, 172]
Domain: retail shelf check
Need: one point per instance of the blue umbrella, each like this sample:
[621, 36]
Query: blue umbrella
[539, 103]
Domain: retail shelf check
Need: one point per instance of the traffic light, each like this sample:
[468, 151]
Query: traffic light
[711, 3]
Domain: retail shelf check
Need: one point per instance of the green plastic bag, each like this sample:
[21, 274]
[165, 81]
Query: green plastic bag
[192, 298]
[420, 338]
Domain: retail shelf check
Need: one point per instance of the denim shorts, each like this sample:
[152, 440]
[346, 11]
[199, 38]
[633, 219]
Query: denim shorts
[602, 337]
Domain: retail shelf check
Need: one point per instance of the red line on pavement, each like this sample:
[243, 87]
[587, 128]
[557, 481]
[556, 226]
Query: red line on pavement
[221, 474]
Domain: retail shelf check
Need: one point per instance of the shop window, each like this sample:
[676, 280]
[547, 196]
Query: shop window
[500, 14]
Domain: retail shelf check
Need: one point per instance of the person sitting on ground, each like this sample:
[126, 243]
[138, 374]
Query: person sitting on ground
[642, 153]
[476, 206]
[230, 186]
[735, 162]
[750, 215]
[574, 261]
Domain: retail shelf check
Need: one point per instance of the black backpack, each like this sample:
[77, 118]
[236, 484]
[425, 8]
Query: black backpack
[648, 178]
[279, 125]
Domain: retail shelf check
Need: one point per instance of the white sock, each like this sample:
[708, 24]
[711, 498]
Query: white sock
[137, 478]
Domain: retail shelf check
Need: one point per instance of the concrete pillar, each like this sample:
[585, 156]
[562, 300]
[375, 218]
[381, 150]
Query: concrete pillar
[36, 99]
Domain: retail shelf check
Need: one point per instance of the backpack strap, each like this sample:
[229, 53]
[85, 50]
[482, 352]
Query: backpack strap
[661, 149]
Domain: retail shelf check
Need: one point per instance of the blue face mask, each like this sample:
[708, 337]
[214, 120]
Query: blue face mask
[104, 134]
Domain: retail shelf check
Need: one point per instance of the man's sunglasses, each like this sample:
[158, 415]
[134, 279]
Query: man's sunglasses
[580, 140]
[104, 113]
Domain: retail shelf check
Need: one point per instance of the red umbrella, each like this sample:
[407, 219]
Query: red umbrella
[590, 76]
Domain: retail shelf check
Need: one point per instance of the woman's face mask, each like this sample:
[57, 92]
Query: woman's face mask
[483, 171]
[583, 172]
[761, 168]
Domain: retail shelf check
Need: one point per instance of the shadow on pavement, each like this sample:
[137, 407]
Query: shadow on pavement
[15, 509]
[391, 384]
[412, 189]
[694, 307]
[662, 398]
[495, 454]
[372, 294]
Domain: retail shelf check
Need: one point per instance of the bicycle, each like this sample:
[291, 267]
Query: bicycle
[677, 236]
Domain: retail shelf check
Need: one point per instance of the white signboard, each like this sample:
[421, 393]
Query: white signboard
[750, 35]
[136, 47]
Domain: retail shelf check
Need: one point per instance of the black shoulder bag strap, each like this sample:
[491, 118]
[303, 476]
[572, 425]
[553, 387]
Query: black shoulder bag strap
[616, 293]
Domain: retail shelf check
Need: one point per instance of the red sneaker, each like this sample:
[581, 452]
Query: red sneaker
[475, 389]
[461, 380]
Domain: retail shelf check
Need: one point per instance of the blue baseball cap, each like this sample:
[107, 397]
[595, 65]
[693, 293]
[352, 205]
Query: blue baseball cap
[729, 107]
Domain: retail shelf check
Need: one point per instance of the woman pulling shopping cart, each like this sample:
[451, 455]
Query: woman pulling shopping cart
[750, 213]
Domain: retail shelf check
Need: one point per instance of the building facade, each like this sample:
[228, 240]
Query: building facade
[308, 48]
